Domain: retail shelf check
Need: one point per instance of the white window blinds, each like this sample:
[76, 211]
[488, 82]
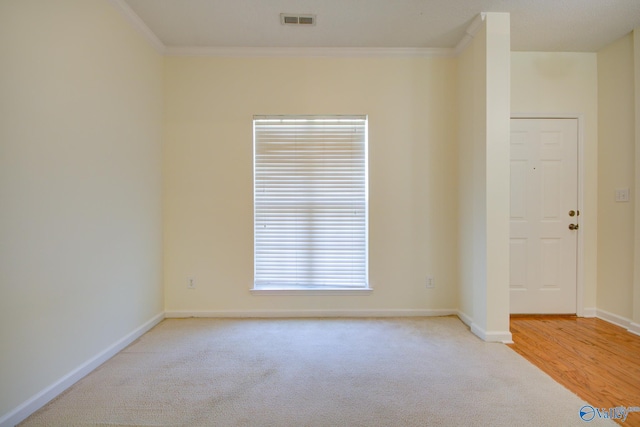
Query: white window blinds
[310, 202]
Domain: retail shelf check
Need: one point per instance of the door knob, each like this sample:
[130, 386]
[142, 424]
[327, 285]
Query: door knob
[573, 226]
[572, 213]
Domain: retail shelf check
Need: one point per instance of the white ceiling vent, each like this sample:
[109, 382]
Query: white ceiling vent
[295, 19]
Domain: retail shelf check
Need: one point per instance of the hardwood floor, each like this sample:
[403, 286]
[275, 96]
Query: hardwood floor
[598, 361]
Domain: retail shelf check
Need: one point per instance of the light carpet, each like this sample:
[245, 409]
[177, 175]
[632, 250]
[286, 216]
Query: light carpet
[314, 372]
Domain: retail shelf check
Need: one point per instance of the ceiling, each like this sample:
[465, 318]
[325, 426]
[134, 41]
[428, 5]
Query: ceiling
[536, 25]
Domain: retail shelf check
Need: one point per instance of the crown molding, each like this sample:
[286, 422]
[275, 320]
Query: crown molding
[315, 52]
[470, 33]
[138, 24]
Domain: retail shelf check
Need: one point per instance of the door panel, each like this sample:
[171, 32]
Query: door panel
[544, 188]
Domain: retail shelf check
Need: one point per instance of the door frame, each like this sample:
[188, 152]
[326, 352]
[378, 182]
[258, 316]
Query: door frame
[580, 159]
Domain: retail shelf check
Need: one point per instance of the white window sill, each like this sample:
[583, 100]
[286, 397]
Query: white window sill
[310, 291]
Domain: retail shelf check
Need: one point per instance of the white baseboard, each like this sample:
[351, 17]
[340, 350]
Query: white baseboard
[613, 318]
[504, 337]
[488, 336]
[310, 313]
[465, 318]
[623, 322]
[40, 399]
[492, 336]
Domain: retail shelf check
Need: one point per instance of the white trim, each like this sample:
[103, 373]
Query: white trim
[177, 314]
[580, 255]
[492, 336]
[260, 52]
[581, 311]
[635, 287]
[41, 398]
[471, 32]
[291, 248]
[139, 25]
[311, 292]
[623, 322]
[318, 52]
[589, 312]
[466, 319]
[504, 337]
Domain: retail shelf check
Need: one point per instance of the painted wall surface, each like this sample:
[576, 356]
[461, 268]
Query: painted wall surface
[472, 257]
[208, 182]
[616, 165]
[498, 169]
[80, 188]
[567, 83]
[636, 276]
[483, 122]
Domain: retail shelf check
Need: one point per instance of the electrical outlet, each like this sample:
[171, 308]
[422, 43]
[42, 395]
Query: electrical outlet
[431, 283]
[622, 194]
[191, 283]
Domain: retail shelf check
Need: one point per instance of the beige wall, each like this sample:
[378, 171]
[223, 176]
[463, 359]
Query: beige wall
[559, 84]
[483, 121]
[208, 205]
[81, 120]
[498, 173]
[80, 188]
[471, 164]
[616, 163]
[636, 276]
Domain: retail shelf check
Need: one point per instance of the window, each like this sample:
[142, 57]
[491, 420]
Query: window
[310, 202]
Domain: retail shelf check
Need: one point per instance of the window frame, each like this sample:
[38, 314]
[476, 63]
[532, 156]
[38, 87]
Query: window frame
[307, 289]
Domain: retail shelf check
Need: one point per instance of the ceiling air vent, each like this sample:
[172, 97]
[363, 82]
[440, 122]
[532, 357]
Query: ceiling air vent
[293, 19]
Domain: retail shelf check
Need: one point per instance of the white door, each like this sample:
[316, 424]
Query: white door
[544, 215]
